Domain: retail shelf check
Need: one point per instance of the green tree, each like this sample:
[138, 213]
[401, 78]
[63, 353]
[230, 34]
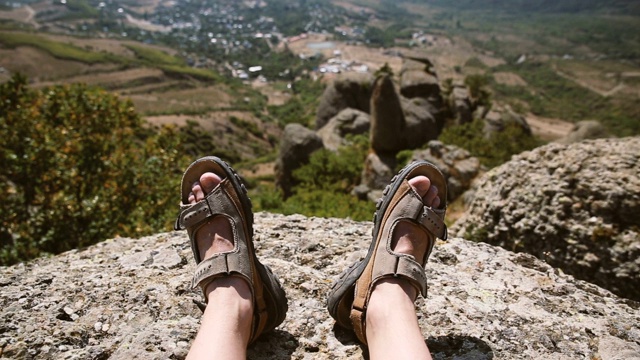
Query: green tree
[79, 167]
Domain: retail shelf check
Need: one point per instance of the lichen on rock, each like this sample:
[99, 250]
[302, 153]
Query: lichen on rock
[130, 298]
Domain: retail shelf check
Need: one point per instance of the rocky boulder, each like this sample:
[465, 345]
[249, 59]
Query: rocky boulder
[347, 122]
[387, 119]
[417, 79]
[422, 121]
[585, 130]
[460, 104]
[296, 146]
[499, 117]
[457, 165]
[575, 206]
[349, 90]
[130, 299]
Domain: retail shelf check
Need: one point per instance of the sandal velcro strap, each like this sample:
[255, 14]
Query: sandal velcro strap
[404, 266]
[193, 215]
[432, 221]
[218, 266]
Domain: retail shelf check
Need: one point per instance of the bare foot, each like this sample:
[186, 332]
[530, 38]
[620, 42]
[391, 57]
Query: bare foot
[230, 307]
[392, 328]
[226, 323]
[215, 236]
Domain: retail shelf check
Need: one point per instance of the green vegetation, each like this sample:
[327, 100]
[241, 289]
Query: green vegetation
[80, 9]
[79, 167]
[153, 56]
[548, 94]
[146, 56]
[324, 186]
[491, 151]
[183, 70]
[57, 49]
[301, 107]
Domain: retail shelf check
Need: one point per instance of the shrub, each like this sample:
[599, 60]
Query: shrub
[494, 150]
[79, 168]
[323, 186]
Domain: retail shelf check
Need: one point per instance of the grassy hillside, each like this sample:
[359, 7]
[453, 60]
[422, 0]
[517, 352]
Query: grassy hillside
[161, 86]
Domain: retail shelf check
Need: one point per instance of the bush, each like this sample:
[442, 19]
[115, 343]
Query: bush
[323, 186]
[79, 167]
[492, 151]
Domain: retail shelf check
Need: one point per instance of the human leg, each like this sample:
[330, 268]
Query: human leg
[374, 297]
[244, 299]
[226, 322]
[392, 326]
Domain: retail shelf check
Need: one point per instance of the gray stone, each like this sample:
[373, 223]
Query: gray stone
[499, 117]
[484, 302]
[378, 171]
[460, 104]
[585, 130]
[297, 145]
[422, 125]
[575, 206]
[457, 165]
[346, 122]
[349, 90]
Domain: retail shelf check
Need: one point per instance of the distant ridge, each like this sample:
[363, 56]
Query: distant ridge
[627, 7]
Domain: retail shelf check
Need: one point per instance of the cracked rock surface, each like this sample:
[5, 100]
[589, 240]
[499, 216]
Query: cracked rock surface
[130, 299]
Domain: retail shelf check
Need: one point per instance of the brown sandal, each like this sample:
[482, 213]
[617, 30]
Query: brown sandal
[349, 296]
[229, 199]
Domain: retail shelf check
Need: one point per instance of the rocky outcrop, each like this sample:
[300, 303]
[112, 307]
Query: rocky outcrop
[347, 122]
[585, 130]
[574, 206]
[421, 121]
[130, 299]
[460, 104]
[296, 146]
[417, 79]
[387, 120]
[498, 118]
[349, 90]
[457, 165]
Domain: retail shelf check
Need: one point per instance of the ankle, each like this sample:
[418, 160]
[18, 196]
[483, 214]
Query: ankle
[388, 295]
[233, 294]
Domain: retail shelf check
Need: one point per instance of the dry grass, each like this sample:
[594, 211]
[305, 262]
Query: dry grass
[509, 79]
[42, 67]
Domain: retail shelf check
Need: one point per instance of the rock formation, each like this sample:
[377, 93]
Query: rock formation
[585, 130]
[130, 299]
[418, 79]
[388, 126]
[349, 90]
[296, 146]
[347, 122]
[575, 206]
[499, 117]
[456, 164]
[460, 103]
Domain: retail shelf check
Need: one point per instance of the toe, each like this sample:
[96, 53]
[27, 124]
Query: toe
[209, 181]
[420, 184]
[428, 193]
[431, 196]
[196, 193]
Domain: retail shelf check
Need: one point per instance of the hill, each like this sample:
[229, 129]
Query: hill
[164, 89]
